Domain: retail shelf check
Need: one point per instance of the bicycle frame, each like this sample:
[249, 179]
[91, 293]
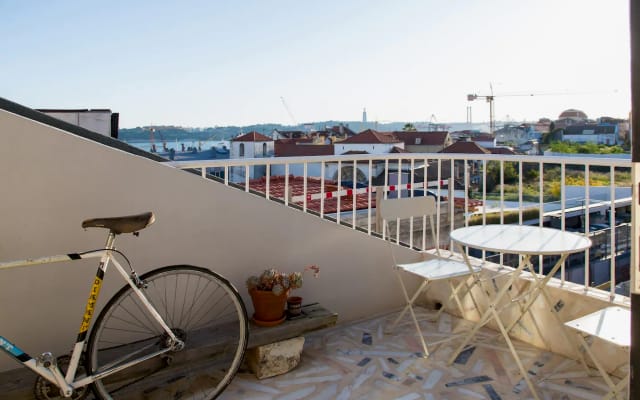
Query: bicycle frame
[50, 371]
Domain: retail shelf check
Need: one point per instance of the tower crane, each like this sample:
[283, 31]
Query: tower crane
[489, 98]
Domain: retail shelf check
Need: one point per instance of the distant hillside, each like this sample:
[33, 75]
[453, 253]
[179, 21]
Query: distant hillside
[171, 133]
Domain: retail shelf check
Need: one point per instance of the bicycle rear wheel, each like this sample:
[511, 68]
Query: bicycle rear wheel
[201, 307]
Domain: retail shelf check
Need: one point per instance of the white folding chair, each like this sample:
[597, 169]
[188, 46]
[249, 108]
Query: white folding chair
[613, 325]
[435, 267]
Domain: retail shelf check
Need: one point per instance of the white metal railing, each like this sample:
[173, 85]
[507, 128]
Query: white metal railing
[522, 189]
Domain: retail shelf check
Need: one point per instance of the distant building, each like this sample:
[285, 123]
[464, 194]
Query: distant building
[623, 127]
[101, 121]
[485, 140]
[278, 134]
[333, 134]
[250, 145]
[301, 148]
[424, 142]
[573, 114]
[516, 136]
[543, 125]
[467, 147]
[369, 141]
[591, 133]
[570, 117]
[466, 133]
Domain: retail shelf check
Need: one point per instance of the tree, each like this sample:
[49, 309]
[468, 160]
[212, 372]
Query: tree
[408, 127]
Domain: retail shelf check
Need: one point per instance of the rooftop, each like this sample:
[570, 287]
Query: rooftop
[465, 147]
[252, 137]
[371, 136]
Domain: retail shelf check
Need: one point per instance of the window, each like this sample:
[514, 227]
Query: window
[264, 149]
[241, 149]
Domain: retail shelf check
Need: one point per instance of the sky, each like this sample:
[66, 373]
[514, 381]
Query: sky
[220, 63]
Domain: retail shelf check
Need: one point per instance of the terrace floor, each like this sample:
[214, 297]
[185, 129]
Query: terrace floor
[343, 363]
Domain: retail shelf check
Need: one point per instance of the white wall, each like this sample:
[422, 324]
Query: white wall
[377, 148]
[52, 180]
[251, 149]
[96, 121]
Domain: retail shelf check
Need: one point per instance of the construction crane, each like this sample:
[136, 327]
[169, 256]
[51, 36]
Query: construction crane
[284, 103]
[491, 97]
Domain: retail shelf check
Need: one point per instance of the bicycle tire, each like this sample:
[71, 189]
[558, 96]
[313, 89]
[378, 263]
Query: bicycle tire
[201, 307]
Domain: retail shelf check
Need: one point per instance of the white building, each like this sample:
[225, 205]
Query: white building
[371, 142]
[250, 145]
[599, 134]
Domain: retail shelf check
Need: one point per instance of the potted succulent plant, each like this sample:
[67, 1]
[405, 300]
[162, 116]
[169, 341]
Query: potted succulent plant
[269, 292]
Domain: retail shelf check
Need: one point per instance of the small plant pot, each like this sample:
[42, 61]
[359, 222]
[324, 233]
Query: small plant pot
[269, 308]
[294, 306]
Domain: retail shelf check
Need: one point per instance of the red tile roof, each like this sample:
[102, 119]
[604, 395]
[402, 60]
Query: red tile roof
[482, 138]
[372, 137]
[296, 187]
[287, 149]
[252, 137]
[465, 147]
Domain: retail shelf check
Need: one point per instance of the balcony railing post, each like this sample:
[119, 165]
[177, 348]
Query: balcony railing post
[379, 197]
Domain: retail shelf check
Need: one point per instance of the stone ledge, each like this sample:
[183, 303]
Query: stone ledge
[313, 317]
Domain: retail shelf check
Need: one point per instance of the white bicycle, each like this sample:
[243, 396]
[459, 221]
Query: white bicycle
[177, 332]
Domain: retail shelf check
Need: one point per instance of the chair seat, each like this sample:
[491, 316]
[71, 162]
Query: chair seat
[439, 268]
[612, 324]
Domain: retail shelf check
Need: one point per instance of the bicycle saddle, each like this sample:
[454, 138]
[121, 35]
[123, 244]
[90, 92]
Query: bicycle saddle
[118, 225]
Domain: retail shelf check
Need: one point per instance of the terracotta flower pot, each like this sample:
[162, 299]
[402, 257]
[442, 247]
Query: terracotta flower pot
[268, 308]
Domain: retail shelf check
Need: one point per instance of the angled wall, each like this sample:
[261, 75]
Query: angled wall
[52, 180]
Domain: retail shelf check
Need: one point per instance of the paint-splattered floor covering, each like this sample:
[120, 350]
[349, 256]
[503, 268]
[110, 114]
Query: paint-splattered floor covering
[361, 361]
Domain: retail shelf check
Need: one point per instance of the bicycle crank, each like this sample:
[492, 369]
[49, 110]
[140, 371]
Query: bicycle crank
[45, 390]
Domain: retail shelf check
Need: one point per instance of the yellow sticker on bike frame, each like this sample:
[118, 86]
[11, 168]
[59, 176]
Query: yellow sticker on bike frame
[91, 304]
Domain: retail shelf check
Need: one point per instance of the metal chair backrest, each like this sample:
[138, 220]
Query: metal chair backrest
[409, 207]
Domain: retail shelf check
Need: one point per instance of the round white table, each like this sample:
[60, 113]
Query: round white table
[526, 241]
[520, 239]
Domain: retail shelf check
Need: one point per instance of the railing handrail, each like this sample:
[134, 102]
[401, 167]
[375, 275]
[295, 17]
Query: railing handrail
[592, 161]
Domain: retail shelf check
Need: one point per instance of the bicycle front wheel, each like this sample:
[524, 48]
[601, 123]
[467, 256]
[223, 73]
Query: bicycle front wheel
[202, 309]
